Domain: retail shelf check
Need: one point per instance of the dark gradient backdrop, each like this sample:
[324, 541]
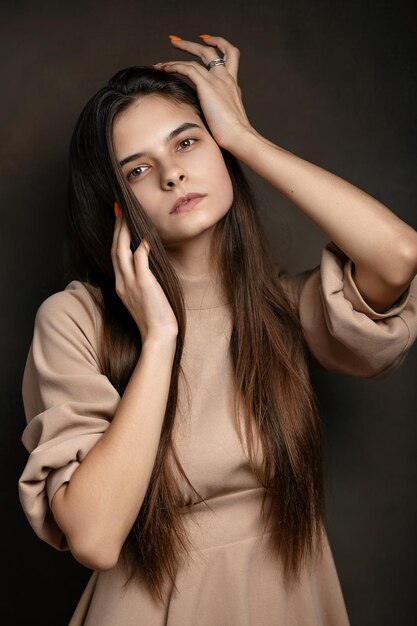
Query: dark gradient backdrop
[334, 82]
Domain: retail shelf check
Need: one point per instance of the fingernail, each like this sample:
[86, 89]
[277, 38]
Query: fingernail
[116, 209]
[174, 38]
[205, 36]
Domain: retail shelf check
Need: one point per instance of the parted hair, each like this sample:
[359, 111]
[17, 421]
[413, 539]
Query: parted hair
[271, 359]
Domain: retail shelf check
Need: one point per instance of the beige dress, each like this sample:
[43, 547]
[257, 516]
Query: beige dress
[230, 579]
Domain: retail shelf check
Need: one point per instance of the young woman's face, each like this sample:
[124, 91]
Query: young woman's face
[167, 168]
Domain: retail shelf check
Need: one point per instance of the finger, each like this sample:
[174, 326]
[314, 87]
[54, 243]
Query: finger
[206, 53]
[117, 225]
[231, 54]
[146, 246]
[194, 64]
[191, 69]
[141, 258]
[116, 233]
[124, 266]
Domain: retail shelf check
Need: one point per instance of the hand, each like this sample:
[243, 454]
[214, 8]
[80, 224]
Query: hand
[138, 288]
[217, 88]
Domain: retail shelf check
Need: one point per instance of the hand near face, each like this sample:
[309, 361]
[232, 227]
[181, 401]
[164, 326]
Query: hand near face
[217, 88]
[138, 288]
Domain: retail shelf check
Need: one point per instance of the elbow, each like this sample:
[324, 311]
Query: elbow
[405, 269]
[96, 555]
[411, 261]
[90, 547]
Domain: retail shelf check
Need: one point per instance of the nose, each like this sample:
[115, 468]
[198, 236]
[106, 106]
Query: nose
[172, 175]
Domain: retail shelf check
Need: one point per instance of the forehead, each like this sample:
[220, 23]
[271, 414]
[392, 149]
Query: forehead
[151, 118]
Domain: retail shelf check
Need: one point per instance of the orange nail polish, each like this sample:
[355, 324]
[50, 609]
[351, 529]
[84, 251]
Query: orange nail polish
[205, 36]
[174, 38]
[116, 209]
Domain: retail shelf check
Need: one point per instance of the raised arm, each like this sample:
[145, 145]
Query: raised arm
[99, 505]
[91, 452]
[382, 247]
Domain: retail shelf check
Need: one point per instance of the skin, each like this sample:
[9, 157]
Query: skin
[120, 464]
[191, 162]
[383, 247]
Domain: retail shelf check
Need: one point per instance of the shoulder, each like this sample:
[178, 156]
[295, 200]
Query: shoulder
[76, 297]
[74, 308]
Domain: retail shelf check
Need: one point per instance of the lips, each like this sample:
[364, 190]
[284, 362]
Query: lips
[182, 200]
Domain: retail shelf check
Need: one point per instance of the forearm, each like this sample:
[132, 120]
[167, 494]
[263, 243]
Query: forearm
[365, 229]
[102, 500]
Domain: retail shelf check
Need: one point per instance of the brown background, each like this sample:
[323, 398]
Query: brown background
[334, 82]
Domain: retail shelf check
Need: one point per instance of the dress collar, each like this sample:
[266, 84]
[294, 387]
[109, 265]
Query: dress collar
[203, 292]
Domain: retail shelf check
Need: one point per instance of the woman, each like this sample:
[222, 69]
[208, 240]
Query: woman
[199, 499]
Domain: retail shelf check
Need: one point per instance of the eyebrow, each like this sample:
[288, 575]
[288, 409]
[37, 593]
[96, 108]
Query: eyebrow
[172, 135]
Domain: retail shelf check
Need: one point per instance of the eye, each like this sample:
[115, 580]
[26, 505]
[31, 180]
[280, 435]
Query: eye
[133, 173]
[188, 139]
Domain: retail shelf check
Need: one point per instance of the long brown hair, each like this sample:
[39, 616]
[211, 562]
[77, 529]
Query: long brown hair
[270, 357]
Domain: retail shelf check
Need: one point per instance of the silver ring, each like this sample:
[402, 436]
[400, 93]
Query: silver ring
[218, 61]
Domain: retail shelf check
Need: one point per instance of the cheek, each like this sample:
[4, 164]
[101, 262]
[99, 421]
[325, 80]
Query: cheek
[219, 176]
[224, 184]
[146, 199]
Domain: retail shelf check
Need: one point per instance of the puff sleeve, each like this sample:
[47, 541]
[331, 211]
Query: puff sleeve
[68, 402]
[344, 334]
